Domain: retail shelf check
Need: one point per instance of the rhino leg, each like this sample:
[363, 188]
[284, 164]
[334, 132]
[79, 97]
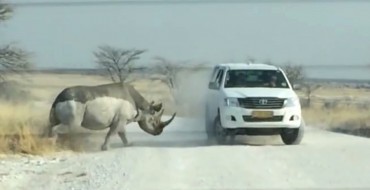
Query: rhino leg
[65, 116]
[51, 134]
[51, 131]
[112, 130]
[122, 135]
[116, 127]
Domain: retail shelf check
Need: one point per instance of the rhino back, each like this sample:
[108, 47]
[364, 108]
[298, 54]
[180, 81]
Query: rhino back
[82, 94]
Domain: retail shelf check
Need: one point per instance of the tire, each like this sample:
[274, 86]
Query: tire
[210, 134]
[293, 136]
[209, 130]
[220, 132]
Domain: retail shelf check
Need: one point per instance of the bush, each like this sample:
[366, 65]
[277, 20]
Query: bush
[12, 91]
[19, 130]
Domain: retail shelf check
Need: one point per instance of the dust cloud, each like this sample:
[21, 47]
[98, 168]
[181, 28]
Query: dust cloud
[191, 93]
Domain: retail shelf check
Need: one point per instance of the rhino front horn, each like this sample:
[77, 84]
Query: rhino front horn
[164, 124]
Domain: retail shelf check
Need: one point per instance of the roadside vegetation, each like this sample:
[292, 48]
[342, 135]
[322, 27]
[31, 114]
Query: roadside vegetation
[344, 116]
[19, 124]
[344, 108]
[339, 116]
[16, 121]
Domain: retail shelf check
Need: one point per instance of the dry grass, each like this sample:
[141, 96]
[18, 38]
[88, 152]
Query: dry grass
[19, 126]
[343, 116]
[343, 119]
[328, 91]
[342, 91]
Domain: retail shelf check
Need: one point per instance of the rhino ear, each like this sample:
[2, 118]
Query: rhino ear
[157, 107]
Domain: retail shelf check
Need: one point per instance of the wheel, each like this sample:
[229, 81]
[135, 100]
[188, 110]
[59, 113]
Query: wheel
[293, 136]
[209, 130]
[231, 140]
[220, 132]
[209, 127]
[210, 133]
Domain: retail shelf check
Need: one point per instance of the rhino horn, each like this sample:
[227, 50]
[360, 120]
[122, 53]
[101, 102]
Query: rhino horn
[164, 124]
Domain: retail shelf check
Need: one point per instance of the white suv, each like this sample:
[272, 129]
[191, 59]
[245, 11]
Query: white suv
[252, 99]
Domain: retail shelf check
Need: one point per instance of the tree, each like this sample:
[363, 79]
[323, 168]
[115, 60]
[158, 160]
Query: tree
[295, 73]
[309, 88]
[251, 59]
[5, 11]
[116, 61]
[176, 75]
[170, 70]
[12, 58]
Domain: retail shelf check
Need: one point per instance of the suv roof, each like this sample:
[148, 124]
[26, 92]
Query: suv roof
[237, 66]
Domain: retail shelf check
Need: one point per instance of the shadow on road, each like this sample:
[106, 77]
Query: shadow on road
[361, 132]
[164, 144]
[186, 144]
[91, 142]
[201, 141]
[185, 133]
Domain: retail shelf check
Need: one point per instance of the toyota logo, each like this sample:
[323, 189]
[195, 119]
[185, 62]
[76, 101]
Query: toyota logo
[263, 101]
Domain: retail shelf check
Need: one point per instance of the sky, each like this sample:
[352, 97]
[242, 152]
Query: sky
[301, 33]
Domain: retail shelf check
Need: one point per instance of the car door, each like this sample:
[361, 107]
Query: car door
[209, 94]
[214, 94]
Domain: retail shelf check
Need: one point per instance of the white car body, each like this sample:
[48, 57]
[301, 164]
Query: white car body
[234, 105]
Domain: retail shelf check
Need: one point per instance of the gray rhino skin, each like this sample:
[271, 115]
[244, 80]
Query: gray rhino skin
[105, 106]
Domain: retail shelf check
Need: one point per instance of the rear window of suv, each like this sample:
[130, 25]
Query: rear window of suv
[255, 78]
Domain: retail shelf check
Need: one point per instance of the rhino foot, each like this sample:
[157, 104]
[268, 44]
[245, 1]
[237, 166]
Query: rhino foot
[104, 147]
[128, 144]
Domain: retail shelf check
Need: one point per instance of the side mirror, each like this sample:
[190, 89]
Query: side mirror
[213, 85]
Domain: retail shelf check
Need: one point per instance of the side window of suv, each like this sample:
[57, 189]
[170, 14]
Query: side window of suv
[220, 76]
[214, 74]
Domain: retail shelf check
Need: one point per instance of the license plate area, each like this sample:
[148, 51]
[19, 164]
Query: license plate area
[262, 114]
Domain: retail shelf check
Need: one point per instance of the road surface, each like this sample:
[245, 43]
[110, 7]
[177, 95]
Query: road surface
[179, 159]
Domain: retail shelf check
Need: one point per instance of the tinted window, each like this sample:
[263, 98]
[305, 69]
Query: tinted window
[255, 78]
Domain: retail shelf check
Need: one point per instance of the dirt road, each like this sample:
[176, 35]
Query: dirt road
[179, 159]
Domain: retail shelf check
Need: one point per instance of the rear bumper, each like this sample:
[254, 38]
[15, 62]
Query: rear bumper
[239, 118]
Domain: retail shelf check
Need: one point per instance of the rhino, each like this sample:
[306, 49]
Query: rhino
[99, 107]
